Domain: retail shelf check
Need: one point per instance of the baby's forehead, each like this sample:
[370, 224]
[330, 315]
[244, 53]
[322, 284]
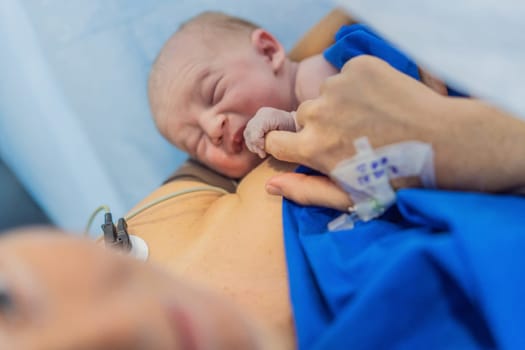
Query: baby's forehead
[188, 84]
[177, 81]
[189, 53]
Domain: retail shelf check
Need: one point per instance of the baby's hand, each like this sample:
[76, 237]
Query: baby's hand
[265, 120]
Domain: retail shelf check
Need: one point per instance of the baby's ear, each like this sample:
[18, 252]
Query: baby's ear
[269, 47]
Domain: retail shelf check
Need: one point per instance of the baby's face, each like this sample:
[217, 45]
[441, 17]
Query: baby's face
[211, 96]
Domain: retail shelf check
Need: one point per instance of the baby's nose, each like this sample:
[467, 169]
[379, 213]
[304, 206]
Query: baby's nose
[216, 132]
[217, 141]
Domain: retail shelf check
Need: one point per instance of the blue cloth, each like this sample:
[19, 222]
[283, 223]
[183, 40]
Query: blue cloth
[357, 39]
[440, 270]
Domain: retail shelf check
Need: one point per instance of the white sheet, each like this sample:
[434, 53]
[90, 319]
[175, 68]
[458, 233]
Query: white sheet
[74, 121]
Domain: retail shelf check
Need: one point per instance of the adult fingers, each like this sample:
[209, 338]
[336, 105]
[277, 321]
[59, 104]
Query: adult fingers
[309, 190]
[320, 190]
[296, 147]
[283, 145]
[306, 110]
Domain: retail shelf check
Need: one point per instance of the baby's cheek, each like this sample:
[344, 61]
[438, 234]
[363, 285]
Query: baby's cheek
[279, 95]
[252, 105]
[252, 99]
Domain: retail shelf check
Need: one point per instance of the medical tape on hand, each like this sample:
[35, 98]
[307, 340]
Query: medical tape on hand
[366, 176]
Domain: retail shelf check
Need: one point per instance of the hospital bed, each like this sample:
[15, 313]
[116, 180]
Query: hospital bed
[75, 127]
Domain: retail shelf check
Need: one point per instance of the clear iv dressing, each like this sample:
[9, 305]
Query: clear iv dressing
[366, 177]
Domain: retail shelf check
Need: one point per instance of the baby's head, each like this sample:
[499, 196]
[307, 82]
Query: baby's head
[209, 79]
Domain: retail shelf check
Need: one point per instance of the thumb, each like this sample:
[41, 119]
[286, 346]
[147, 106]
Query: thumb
[309, 190]
[284, 145]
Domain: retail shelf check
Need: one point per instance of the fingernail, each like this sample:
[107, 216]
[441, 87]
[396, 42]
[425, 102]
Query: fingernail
[276, 191]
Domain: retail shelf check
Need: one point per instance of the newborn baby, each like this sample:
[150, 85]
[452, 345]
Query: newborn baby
[215, 74]
[211, 78]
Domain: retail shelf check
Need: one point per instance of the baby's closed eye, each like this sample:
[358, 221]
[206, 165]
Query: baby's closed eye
[217, 93]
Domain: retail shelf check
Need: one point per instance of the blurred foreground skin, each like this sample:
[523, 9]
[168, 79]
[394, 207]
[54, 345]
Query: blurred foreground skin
[63, 292]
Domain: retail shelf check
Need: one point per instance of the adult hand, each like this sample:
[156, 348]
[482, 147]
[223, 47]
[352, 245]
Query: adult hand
[370, 98]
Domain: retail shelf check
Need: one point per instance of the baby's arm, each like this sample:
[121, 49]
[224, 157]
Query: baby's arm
[311, 73]
[265, 120]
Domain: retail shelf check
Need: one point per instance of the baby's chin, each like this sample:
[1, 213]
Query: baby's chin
[238, 167]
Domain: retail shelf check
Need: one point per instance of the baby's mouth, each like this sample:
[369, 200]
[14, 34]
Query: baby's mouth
[238, 140]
